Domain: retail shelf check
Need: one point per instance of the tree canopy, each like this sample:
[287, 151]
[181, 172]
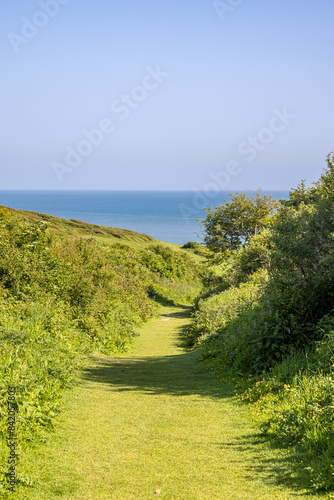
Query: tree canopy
[232, 224]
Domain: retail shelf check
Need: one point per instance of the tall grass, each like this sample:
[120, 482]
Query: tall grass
[292, 399]
[61, 300]
[294, 403]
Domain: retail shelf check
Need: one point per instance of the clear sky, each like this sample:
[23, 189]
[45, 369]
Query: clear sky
[157, 94]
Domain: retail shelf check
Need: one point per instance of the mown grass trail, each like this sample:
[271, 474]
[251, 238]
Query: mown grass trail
[151, 420]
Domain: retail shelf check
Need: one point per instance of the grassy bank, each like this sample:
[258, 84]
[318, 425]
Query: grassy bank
[63, 297]
[154, 421]
[267, 318]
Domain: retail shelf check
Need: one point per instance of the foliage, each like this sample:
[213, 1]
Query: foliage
[297, 252]
[233, 223]
[302, 264]
[75, 228]
[294, 404]
[62, 298]
[269, 314]
[192, 244]
[213, 314]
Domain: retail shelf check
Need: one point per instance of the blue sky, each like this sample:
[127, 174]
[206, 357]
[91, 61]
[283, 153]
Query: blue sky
[234, 94]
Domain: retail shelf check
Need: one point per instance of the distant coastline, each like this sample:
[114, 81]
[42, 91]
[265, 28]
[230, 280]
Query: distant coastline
[166, 215]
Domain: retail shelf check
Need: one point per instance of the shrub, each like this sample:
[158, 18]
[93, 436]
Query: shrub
[62, 298]
[192, 245]
[279, 330]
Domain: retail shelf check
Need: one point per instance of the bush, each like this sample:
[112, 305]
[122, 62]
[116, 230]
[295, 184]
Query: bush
[279, 330]
[62, 299]
[192, 245]
[220, 323]
[294, 404]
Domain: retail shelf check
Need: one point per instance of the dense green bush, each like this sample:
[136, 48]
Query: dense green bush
[232, 224]
[268, 313]
[293, 404]
[61, 299]
[298, 255]
[192, 245]
[215, 313]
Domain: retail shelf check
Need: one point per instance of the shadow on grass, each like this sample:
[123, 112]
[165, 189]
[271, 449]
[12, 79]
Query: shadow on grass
[183, 374]
[281, 470]
[183, 341]
[178, 375]
[184, 314]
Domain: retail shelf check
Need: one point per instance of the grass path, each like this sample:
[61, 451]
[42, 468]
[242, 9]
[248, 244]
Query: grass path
[155, 419]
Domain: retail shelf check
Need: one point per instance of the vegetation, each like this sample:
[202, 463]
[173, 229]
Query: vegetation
[268, 315]
[154, 422]
[62, 298]
[76, 228]
[234, 223]
[265, 315]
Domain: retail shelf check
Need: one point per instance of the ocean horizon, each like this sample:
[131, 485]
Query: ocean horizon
[165, 215]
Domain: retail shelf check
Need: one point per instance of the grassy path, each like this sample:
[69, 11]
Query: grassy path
[154, 420]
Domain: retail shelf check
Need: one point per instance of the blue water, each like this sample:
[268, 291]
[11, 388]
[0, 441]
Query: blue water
[165, 215]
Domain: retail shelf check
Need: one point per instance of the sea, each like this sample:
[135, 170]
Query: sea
[170, 216]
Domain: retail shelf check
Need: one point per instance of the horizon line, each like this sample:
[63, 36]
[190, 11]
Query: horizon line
[193, 190]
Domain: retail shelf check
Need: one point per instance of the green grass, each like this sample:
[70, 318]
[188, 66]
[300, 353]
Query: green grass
[65, 227]
[156, 419]
[102, 234]
[63, 297]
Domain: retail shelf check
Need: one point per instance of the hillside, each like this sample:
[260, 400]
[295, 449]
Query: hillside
[268, 317]
[78, 228]
[66, 294]
[102, 234]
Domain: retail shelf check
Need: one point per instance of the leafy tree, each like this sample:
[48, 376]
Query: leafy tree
[291, 262]
[303, 259]
[232, 224]
[301, 194]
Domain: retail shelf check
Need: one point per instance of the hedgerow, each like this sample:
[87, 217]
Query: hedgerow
[62, 299]
[268, 316]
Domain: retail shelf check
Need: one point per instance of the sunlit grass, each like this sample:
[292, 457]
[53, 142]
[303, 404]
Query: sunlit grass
[156, 419]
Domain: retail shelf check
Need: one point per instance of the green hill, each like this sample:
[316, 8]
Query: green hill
[67, 290]
[77, 228]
